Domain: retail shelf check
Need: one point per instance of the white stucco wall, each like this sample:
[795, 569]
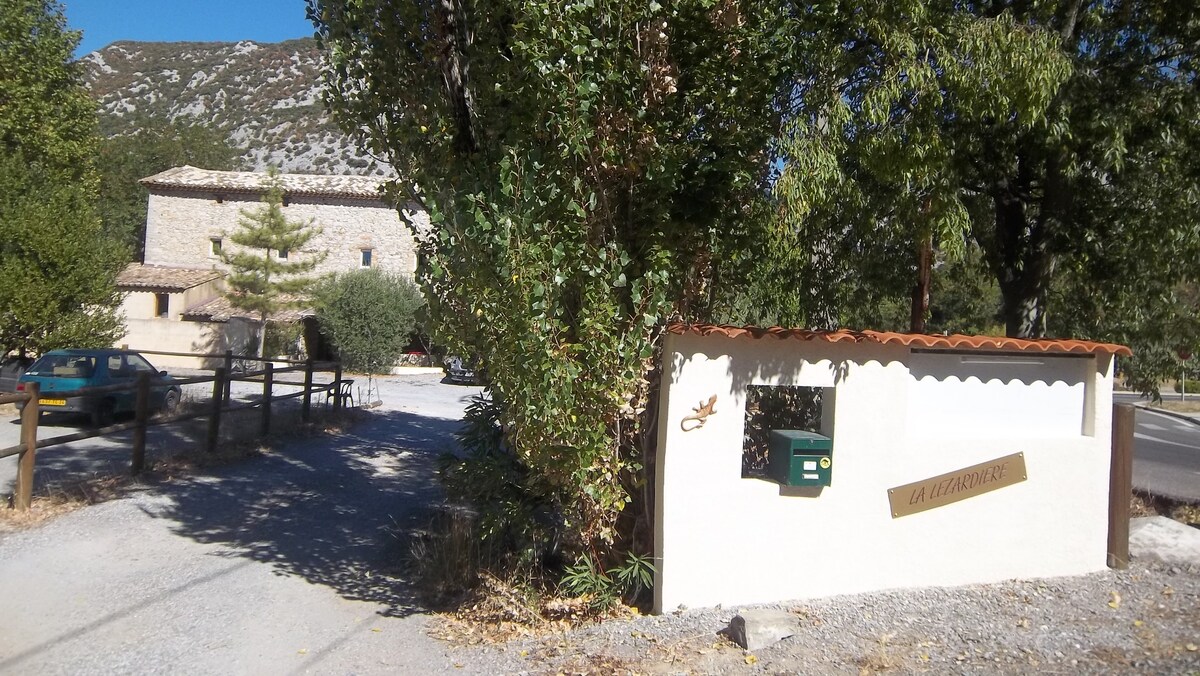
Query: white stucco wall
[180, 226]
[897, 417]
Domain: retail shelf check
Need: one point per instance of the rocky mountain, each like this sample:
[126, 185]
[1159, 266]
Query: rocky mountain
[266, 97]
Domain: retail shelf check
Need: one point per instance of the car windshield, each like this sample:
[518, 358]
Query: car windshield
[63, 366]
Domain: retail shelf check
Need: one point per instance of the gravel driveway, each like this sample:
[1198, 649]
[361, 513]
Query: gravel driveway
[285, 563]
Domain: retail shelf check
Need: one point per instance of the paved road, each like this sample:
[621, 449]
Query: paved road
[285, 563]
[1166, 454]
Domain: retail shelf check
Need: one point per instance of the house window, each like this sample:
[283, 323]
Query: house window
[366, 259]
[283, 254]
[214, 244]
[162, 304]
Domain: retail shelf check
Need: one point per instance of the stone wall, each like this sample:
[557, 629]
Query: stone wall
[180, 227]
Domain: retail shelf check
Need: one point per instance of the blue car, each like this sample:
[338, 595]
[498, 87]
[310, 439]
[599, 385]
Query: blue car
[68, 370]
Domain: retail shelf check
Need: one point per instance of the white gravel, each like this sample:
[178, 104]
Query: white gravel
[286, 563]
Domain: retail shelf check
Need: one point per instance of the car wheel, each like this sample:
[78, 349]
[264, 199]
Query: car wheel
[103, 415]
[171, 402]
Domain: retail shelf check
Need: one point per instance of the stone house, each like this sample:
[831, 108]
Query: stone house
[173, 298]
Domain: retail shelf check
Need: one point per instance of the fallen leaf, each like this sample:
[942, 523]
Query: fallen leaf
[376, 629]
[1167, 591]
[751, 659]
[1138, 623]
[1192, 647]
[303, 651]
[1115, 601]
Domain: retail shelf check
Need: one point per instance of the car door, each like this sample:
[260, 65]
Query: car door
[120, 373]
[137, 364]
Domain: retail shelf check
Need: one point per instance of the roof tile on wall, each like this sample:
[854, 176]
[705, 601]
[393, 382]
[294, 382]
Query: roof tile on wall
[158, 277]
[914, 340]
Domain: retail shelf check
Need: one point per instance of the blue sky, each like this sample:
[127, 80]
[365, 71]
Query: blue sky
[106, 21]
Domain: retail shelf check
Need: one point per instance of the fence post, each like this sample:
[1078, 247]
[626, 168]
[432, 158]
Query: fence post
[141, 413]
[305, 410]
[228, 370]
[337, 389]
[29, 425]
[268, 376]
[1120, 485]
[214, 416]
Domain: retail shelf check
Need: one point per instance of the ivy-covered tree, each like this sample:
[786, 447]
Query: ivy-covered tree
[57, 270]
[268, 269]
[369, 316]
[155, 145]
[583, 166]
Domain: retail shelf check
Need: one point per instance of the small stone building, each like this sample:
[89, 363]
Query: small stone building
[173, 298]
[933, 460]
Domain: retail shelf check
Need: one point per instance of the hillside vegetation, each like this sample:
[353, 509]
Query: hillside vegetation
[265, 98]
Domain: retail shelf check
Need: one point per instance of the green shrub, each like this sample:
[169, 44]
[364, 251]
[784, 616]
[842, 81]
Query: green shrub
[368, 315]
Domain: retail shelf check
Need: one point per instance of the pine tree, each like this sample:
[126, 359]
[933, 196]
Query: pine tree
[261, 280]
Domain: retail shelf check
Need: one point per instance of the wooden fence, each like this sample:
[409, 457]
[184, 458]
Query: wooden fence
[336, 391]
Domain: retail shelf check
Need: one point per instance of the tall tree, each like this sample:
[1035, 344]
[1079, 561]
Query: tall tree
[57, 271]
[583, 165]
[154, 146]
[1057, 135]
[268, 272]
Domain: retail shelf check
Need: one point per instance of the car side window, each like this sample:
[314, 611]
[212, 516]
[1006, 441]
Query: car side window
[138, 363]
[115, 362]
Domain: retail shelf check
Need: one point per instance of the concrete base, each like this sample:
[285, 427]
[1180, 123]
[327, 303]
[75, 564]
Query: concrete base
[1161, 539]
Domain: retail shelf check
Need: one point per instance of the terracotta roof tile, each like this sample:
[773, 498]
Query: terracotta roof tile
[219, 309]
[139, 276]
[915, 340]
[252, 182]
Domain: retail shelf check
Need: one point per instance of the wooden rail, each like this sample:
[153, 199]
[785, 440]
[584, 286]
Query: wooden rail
[220, 403]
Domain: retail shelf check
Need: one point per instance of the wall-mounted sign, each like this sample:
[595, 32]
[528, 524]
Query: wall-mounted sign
[958, 485]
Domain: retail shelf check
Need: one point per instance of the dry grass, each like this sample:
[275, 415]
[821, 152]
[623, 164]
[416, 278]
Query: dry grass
[1142, 504]
[1191, 405]
[880, 658]
[62, 498]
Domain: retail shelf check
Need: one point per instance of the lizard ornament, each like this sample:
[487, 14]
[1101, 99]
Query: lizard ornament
[699, 416]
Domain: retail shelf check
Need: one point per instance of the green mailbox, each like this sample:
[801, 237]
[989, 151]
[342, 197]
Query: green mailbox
[800, 458]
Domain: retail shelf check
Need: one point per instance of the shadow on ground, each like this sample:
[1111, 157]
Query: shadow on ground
[326, 508]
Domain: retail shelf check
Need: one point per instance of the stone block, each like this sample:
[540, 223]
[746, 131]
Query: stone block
[761, 627]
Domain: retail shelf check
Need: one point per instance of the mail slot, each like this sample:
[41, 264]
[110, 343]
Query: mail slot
[800, 458]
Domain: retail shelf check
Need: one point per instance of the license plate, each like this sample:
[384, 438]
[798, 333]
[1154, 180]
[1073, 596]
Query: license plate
[52, 402]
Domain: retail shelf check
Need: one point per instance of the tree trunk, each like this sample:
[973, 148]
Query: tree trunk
[1023, 267]
[262, 335]
[920, 292]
